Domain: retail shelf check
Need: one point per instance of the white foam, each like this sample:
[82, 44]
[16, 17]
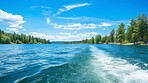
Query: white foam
[117, 67]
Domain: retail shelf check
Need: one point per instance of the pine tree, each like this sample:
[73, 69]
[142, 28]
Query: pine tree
[141, 25]
[0, 36]
[112, 34]
[98, 39]
[8, 41]
[92, 40]
[14, 36]
[130, 29]
[129, 33]
[121, 33]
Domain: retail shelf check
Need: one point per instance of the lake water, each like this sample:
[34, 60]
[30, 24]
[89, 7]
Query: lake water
[74, 63]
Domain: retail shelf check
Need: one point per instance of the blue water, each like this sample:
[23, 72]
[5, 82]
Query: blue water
[73, 63]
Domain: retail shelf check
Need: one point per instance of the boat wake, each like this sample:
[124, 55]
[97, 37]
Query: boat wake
[113, 69]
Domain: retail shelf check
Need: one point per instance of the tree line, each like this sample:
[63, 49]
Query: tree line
[13, 38]
[136, 32]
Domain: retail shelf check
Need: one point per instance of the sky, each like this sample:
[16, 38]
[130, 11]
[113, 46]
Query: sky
[68, 20]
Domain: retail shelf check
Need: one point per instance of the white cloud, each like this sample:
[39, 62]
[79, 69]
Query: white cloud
[100, 22]
[65, 33]
[70, 37]
[90, 26]
[24, 29]
[69, 7]
[92, 33]
[10, 19]
[119, 22]
[92, 23]
[44, 12]
[53, 24]
[41, 35]
[71, 28]
[40, 7]
[13, 29]
[104, 29]
[69, 17]
[20, 27]
[85, 18]
[50, 23]
[104, 25]
[13, 21]
[15, 26]
[77, 26]
[48, 20]
[75, 31]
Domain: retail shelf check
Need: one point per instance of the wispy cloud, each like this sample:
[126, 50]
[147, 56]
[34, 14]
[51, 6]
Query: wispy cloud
[48, 20]
[40, 7]
[84, 18]
[78, 26]
[41, 35]
[13, 21]
[118, 22]
[75, 31]
[13, 29]
[15, 26]
[89, 26]
[86, 23]
[45, 9]
[69, 17]
[91, 33]
[99, 21]
[44, 12]
[65, 33]
[66, 37]
[105, 24]
[104, 29]
[69, 7]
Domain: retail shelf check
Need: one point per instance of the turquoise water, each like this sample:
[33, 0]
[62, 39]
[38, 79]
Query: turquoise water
[73, 63]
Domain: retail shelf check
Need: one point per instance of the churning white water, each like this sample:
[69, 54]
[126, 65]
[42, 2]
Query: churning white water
[116, 69]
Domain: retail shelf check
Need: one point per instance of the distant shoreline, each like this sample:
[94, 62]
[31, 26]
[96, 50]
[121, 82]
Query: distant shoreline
[100, 43]
[126, 44]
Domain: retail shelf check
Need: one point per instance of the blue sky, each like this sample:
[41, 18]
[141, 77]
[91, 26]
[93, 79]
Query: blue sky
[67, 20]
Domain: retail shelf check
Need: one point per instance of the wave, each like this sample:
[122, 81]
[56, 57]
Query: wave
[116, 69]
[91, 63]
[66, 71]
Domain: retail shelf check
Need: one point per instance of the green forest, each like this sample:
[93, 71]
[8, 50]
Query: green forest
[9, 38]
[137, 33]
